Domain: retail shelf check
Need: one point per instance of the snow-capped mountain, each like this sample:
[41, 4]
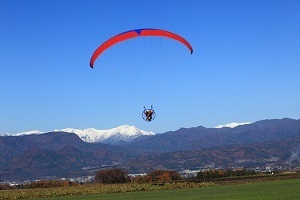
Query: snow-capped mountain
[22, 133]
[29, 133]
[5, 134]
[232, 125]
[122, 133]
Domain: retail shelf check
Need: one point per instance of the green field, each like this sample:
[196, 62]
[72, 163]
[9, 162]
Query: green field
[273, 190]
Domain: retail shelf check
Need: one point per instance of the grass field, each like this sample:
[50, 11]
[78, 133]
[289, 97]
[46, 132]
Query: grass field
[273, 190]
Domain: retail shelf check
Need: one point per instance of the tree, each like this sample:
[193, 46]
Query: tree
[200, 175]
[163, 175]
[112, 176]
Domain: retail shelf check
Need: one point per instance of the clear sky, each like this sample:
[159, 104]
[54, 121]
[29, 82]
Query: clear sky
[245, 66]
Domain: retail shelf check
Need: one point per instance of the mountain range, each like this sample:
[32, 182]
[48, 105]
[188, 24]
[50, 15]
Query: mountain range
[120, 134]
[267, 142]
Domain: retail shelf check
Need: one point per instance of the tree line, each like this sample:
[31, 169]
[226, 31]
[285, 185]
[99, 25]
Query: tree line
[121, 176]
[220, 173]
[40, 184]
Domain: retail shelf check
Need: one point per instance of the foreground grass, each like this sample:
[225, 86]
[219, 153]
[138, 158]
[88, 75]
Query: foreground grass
[281, 189]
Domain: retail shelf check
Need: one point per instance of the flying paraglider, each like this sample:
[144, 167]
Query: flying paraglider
[148, 114]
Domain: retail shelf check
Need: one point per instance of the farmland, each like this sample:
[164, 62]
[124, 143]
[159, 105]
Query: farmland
[281, 189]
[278, 187]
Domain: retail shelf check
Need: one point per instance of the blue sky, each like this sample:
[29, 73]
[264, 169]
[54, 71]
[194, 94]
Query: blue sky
[245, 66]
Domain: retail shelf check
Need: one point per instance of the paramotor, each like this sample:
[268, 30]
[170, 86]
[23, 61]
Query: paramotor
[148, 114]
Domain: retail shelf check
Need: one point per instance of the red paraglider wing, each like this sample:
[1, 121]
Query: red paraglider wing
[137, 33]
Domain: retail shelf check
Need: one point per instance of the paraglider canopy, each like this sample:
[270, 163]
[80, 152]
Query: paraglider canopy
[137, 33]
